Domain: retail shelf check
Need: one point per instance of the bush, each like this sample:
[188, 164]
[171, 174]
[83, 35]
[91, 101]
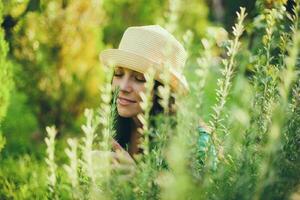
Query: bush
[5, 77]
[246, 88]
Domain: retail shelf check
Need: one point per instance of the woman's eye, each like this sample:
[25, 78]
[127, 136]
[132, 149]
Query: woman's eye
[118, 74]
[140, 78]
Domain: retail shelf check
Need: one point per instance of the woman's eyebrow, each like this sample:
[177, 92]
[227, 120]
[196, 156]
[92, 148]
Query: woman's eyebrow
[137, 73]
[118, 67]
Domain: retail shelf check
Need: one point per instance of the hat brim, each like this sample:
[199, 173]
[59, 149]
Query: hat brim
[118, 57]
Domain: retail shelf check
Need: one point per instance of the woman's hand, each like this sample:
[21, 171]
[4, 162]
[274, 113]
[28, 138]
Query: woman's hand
[122, 163]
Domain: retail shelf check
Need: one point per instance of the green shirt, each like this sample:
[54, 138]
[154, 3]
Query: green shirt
[206, 149]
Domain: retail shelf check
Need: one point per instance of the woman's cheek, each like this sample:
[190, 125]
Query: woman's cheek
[139, 90]
[115, 83]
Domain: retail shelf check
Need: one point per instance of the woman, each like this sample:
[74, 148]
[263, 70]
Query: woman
[141, 48]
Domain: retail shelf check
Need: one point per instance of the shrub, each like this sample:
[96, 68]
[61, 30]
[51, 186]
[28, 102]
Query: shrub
[5, 77]
[252, 105]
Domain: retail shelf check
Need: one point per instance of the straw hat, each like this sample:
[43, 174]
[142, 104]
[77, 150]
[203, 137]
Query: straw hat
[142, 47]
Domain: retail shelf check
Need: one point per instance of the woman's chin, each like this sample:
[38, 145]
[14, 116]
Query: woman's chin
[125, 113]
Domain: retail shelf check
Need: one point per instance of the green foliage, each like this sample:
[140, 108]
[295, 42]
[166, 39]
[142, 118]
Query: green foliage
[183, 15]
[22, 178]
[21, 133]
[5, 73]
[5, 77]
[57, 52]
[246, 84]
[2, 142]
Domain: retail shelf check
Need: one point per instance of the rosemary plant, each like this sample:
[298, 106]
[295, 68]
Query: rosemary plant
[52, 167]
[72, 168]
[224, 83]
[89, 130]
[105, 113]
[146, 104]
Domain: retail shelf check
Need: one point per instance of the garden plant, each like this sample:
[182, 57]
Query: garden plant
[57, 107]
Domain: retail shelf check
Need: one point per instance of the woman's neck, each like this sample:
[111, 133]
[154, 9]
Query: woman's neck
[137, 123]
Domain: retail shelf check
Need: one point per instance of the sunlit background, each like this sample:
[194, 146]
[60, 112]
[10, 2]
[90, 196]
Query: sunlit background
[50, 69]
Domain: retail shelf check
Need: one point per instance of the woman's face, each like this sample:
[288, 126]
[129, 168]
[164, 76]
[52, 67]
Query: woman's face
[131, 83]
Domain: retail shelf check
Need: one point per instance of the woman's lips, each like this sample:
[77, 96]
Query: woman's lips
[124, 101]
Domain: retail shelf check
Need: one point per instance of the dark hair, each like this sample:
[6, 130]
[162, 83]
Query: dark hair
[124, 126]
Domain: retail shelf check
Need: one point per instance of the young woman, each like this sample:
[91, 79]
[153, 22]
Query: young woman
[142, 47]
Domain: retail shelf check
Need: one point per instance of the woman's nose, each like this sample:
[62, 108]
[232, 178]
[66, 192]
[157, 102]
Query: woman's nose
[125, 85]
